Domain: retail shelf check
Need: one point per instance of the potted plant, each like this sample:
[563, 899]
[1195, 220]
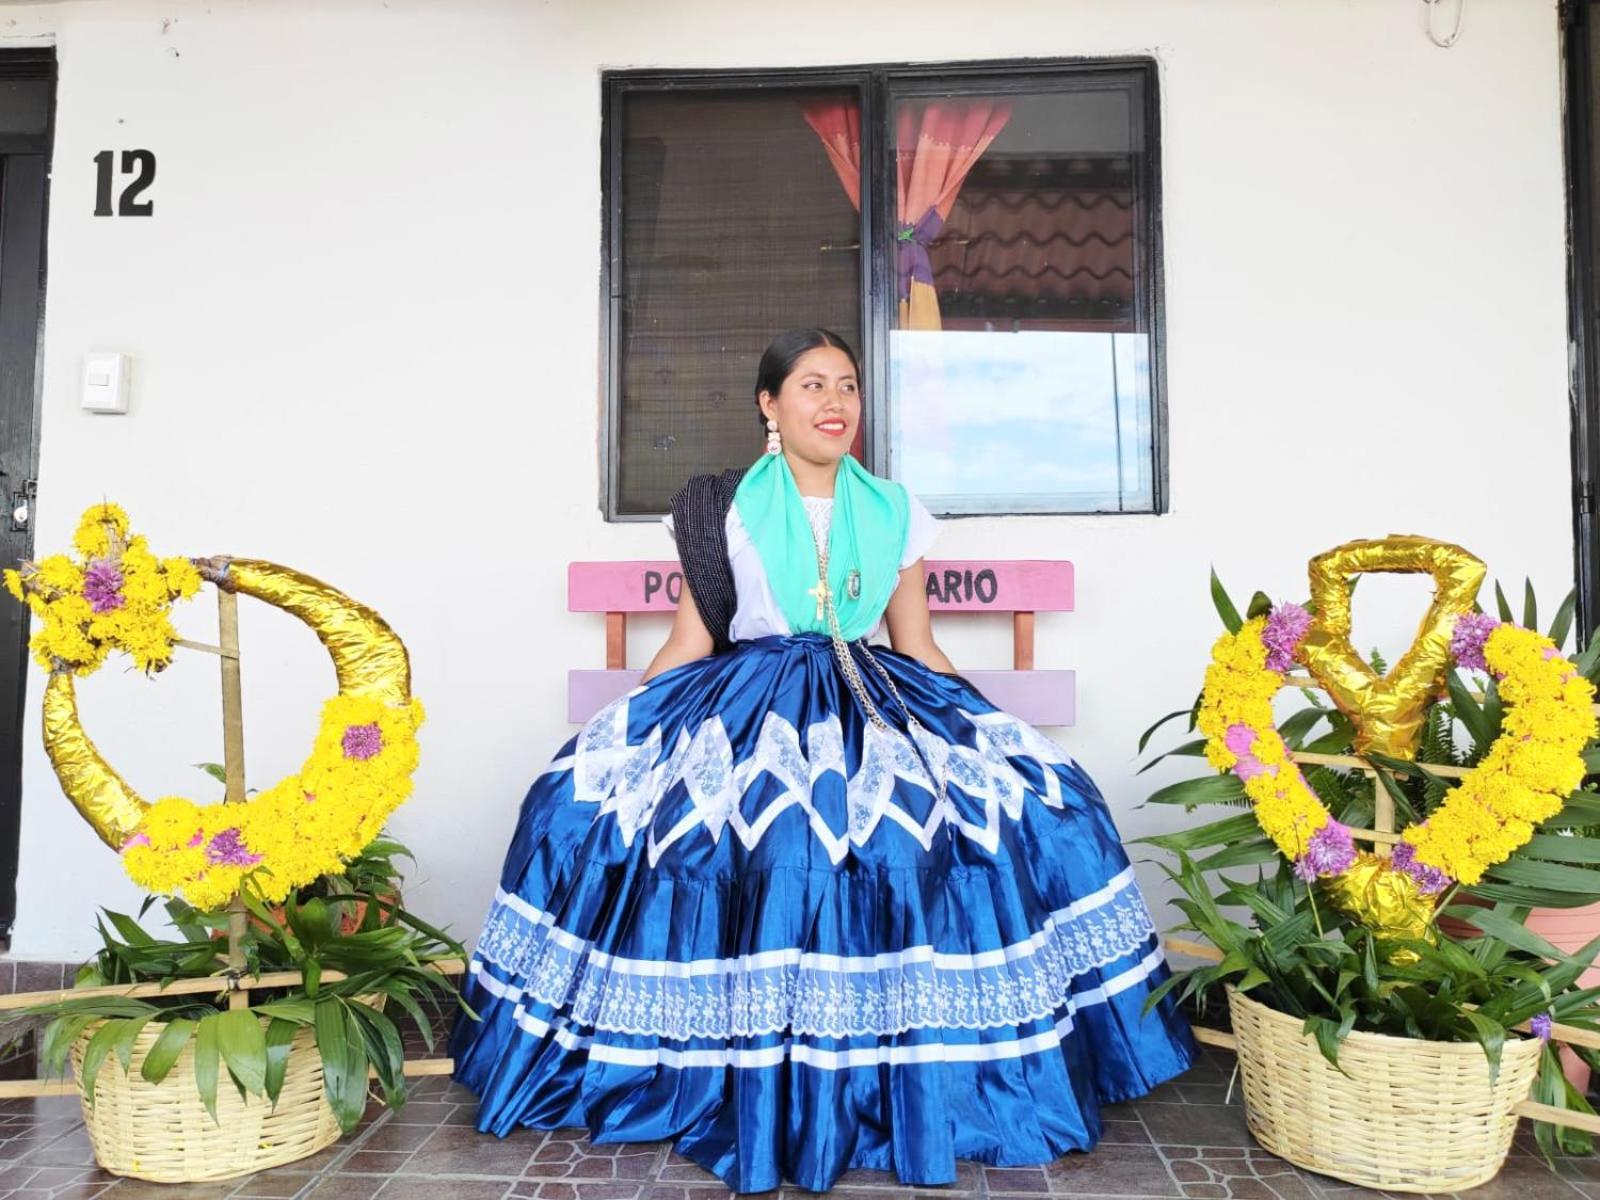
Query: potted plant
[180, 1086]
[1330, 947]
[1393, 1071]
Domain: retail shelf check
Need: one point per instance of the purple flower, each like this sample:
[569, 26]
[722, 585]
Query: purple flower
[227, 849]
[1284, 631]
[1429, 880]
[102, 585]
[362, 742]
[1542, 1026]
[1468, 638]
[138, 839]
[1330, 851]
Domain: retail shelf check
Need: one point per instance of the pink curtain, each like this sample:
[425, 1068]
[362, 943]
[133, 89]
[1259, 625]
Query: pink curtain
[838, 124]
[937, 142]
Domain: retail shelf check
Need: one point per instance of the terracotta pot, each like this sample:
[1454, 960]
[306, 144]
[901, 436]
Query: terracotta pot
[349, 923]
[1568, 929]
[1457, 928]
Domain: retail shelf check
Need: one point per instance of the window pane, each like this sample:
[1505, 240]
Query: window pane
[735, 225]
[1020, 359]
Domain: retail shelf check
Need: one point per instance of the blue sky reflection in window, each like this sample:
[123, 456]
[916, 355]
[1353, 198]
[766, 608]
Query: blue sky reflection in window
[1028, 421]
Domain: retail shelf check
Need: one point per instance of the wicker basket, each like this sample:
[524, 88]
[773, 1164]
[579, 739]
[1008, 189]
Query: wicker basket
[1411, 1115]
[162, 1132]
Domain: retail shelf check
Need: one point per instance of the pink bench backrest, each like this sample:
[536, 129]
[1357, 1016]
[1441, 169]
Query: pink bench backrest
[955, 585]
[1020, 587]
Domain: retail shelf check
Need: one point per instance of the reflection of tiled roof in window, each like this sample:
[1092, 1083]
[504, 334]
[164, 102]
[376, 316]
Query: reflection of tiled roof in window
[1039, 240]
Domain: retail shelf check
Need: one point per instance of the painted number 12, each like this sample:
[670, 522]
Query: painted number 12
[141, 166]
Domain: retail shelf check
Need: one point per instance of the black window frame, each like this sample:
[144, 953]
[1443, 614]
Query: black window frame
[874, 84]
[1583, 313]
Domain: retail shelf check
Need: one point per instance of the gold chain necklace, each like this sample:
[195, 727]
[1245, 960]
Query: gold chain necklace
[852, 676]
[841, 648]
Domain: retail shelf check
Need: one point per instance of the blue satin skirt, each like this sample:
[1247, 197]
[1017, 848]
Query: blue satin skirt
[738, 915]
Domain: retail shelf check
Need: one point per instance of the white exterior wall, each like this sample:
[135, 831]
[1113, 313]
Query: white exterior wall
[364, 322]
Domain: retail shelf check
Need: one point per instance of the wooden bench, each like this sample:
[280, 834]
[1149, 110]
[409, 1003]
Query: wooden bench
[1020, 587]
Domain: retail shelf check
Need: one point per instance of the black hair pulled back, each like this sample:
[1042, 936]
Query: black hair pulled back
[778, 362]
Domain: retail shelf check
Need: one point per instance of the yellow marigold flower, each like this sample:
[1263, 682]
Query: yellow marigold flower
[93, 537]
[1269, 749]
[182, 577]
[164, 871]
[58, 573]
[307, 825]
[214, 887]
[171, 821]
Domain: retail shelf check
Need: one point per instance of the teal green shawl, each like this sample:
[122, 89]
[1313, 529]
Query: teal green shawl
[871, 518]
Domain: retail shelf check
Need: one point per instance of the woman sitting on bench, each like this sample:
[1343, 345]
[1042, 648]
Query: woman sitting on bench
[800, 904]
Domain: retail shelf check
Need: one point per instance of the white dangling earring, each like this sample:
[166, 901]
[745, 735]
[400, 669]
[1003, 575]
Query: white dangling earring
[774, 438]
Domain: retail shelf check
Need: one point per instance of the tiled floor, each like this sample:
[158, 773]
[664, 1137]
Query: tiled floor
[1185, 1140]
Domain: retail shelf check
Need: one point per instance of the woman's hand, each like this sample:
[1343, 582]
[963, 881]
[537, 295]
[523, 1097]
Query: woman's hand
[688, 640]
[910, 626]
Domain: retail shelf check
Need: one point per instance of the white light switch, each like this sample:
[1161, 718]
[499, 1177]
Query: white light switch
[105, 383]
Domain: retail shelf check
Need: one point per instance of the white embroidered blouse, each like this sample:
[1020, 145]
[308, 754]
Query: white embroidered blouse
[757, 613]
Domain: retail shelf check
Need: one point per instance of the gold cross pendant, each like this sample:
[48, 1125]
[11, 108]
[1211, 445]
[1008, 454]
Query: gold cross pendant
[823, 593]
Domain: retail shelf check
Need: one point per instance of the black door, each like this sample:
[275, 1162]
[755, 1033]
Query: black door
[27, 103]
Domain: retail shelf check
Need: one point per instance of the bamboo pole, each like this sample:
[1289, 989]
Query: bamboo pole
[1534, 1111]
[1376, 836]
[1568, 1035]
[1382, 816]
[1179, 945]
[232, 697]
[203, 647]
[1219, 1038]
[212, 984]
[232, 765]
[1443, 770]
[13, 1089]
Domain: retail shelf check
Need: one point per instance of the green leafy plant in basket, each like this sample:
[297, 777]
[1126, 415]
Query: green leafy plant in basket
[1283, 938]
[362, 976]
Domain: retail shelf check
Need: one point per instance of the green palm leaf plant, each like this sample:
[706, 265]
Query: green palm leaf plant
[1279, 940]
[352, 926]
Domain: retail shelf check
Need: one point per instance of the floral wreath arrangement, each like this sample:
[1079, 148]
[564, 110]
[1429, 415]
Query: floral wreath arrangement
[119, 597]
[1524, 778]
[291, 937]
